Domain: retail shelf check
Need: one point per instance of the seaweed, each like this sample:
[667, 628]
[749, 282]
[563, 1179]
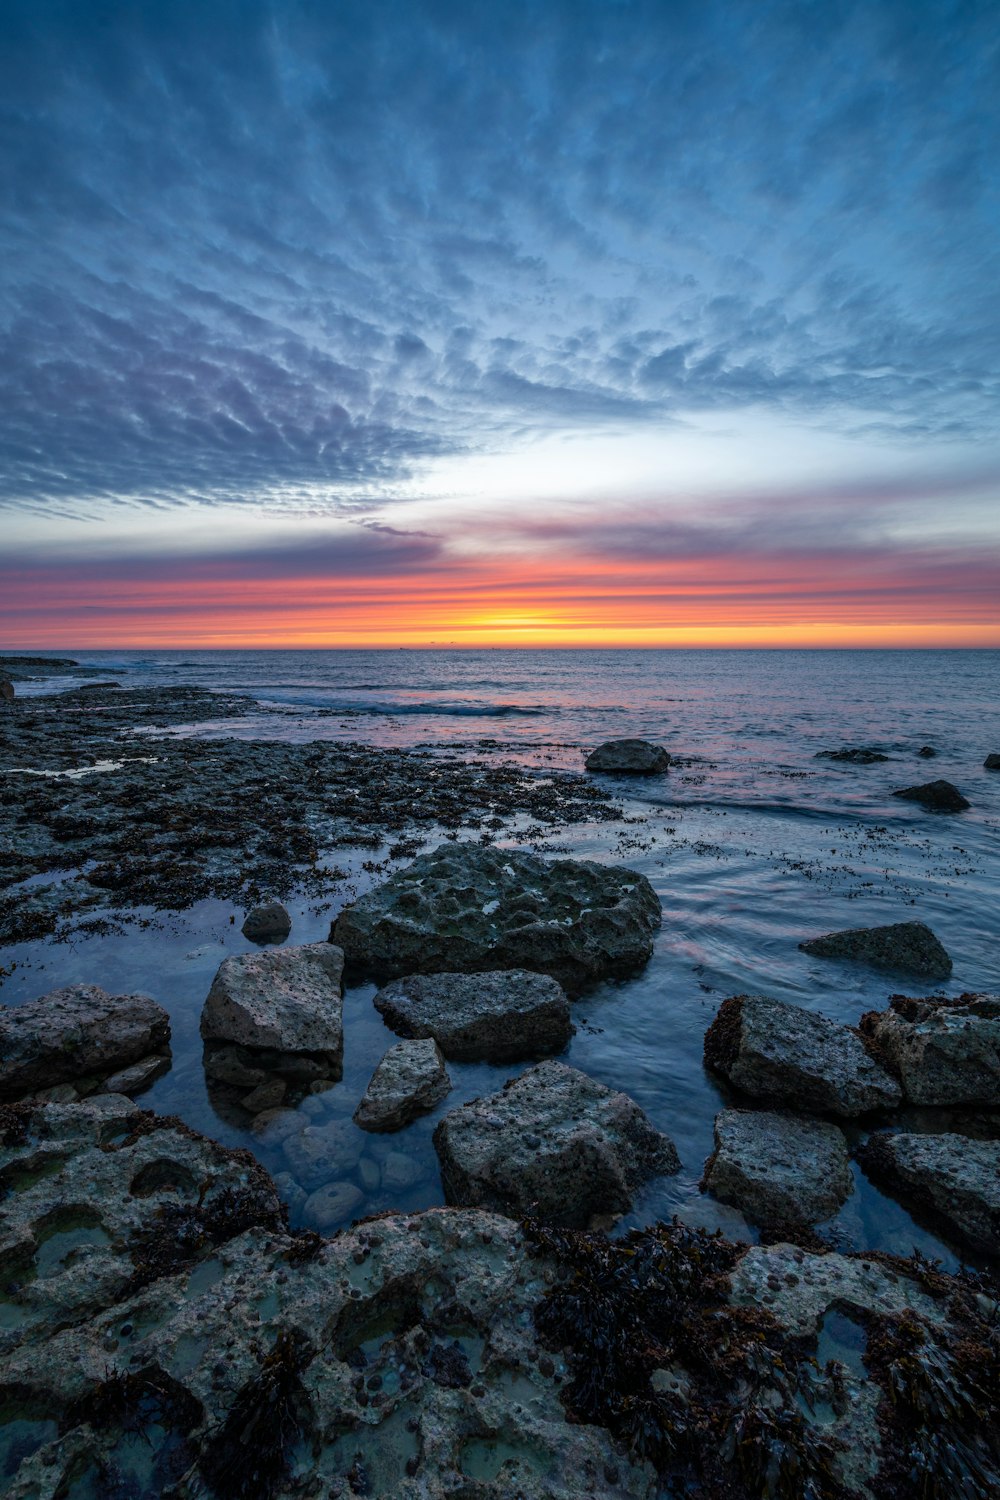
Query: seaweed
[14, 1122]
[722, 1039]
[179, 1234]
[249, 1455]
[134, 1401]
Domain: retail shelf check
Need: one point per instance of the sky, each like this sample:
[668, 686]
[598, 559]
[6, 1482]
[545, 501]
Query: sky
[617, 322]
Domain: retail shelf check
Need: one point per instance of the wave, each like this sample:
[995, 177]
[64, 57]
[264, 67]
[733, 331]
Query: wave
[449, 710]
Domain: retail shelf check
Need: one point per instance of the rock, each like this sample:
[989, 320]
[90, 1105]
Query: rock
[939, 796]
[369, 1174]
[285, 1000]
[907, 946]
[273, 1126]
[628, 757]
[139, 1076]
[779, 1169]
[855, 755]
[69, 1033]
[265, 1096]
[949, 1176]
[400, 1172]
[469, 908]
[321, 1152]
[331, 1206]
[783, 1054]
[233, 1066]
[927, 752]
[503, 1016]
[992, 762]
[552, 1144]
[6, 690]
[409, 1081]
[944, 1052]
[267, 924]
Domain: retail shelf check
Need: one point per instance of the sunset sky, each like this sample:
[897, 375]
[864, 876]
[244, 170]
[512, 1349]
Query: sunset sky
[599, 322]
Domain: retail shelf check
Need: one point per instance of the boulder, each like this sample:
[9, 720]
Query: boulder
[783, 1054]
[992, 762]
[6, 690]
[470, 908]
[939, 796]
[267, 924]
[76, 1033]
[138, 1076]
[927, 752]
[906, 946]
[285, 1000]
[503, 1016]
[628, 758]
[777, 1168]
[553, 1144]
[950, 1177]
[410, 1080]
[320, 1153]
[855, 755]
[944, 1052]
[329, 1207]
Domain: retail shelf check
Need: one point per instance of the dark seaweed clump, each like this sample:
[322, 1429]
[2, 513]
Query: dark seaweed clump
[249, 1455]
[145, 1405]
[179, 1234]
[733, 1428]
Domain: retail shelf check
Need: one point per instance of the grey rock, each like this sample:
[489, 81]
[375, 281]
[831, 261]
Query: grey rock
[409, 1081]
[466, 908]
[951, 1177]
[927, 752]
[369, 1174]
[503, 1016]
[909, 947]
[285, 1000]
[139, 1076]
[69, 1033]
[321, 1152]
[331, 1206]
[628, 757]
[6, 690]
[267, 924]
[234, 1066]
[944, 1052]
[553, 1144]
[992, 762]
[939, 796]
[272, 1126]
[782, 1054]
[777, 1168]
[400, 1172]
[855, 755]
[265, 1096]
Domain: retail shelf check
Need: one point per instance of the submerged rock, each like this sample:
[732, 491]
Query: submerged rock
[410, 1080]
[939, 796]
[79, 1033]
[927, 752]
[267, 924]
[855, 755]
[467, 908]
[942, 1051]
[503, 1016]
[779, 1169]
[783, 1054]
[629, 758]
[284, 1002]
[907, 946]
[552, 1144]
[953, 1178]
[992, 762]
[6, 690]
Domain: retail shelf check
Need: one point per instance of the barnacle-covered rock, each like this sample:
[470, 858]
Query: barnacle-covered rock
[77, 1034]
[777, 1168]
[410, 1080]
[504, 1016]
[910, 947]
[954, 1179]
[942, 1051]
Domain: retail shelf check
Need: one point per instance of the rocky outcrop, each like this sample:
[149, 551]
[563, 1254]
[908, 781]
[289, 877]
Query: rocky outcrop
[553, 1144]
[855, 755]
[410, 1080]
[992, 762]
[909, 947]
[78, 1036]
[944, 1052]
[939, 796]
[777, 1168]
[782, 1054]
[466, 908]
[269, 923]
[504, 1016]
[950, 1177]
[628, 758]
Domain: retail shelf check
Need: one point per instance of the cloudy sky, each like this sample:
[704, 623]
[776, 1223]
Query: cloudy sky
[598, 321]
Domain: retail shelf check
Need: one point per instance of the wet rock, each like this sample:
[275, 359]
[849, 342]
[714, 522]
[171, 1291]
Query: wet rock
[6, 690]
[275, 1125]
[409, 1081]
[321, 1152]
[73, 1032]
[783, 1054]
[553, 1144]
[504, 1016]
[992, 762]
[944, 1052]
[927, 752]
[855, 755]
[400, 1172]
[265, 1096]
[235, 1066]
[331, 1206]
[951, 1177]
[139, 1076]
[939, 796]
[779, 1169]
[466, 908]
[286, 1001]
[267, 924]
[906, 946]
[628, 757]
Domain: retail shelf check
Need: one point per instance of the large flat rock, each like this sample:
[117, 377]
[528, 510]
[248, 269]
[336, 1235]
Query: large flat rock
[552, 1144]
[465, 908]
[503, 1016]
[410, 1080]
[953, 1178]
[942, 1051]
[777, 1168]
[782, 1054]
[286, 999]
[909, 947]
[77, 1033]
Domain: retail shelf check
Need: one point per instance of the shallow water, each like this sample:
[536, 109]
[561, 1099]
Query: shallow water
[752, 845]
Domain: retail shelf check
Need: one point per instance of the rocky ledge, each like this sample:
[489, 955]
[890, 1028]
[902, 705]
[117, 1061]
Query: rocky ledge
[81, 1040]
[909, 947]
